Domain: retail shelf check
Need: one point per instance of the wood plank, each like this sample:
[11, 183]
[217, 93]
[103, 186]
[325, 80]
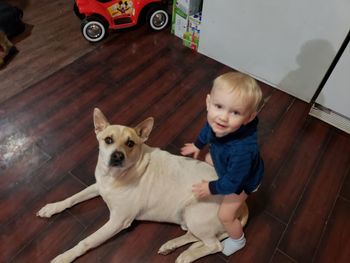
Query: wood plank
[19, 158]
[276, 143]
[57, 33]
[263, 233]
[305, 229]
[275, 149]
[345, 192]
[56, 110]
[54, 235]
[23, 227]
[280, 257]
[335, 243]
[276, 104]
[285, 190]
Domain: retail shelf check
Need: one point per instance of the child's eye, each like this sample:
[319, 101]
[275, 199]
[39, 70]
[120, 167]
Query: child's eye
[218, 106]
[235, 113]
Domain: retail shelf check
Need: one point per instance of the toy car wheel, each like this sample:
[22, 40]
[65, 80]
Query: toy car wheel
[94, 29]
[157, 19]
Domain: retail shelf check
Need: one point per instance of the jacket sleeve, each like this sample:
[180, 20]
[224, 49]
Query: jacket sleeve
[239, 167]
[203, 137]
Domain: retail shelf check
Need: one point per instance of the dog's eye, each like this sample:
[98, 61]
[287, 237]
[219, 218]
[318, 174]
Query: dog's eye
[130, 143]
[108, 140]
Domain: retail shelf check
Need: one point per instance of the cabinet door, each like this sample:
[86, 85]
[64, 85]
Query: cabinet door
[335, 95]
[332, 104]
[286, 44]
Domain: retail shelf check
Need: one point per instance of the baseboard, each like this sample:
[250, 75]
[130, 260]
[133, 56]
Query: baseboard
[333, 118]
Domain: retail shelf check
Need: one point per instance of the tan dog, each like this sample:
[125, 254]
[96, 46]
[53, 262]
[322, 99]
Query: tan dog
[144, 183]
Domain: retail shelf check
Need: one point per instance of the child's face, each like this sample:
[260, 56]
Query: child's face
[227, 112]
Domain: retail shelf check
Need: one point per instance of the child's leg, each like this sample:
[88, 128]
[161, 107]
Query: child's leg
[228, 217]
[228, 214]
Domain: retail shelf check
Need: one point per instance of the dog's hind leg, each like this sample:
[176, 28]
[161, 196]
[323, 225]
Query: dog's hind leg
[199, 249]
[201, 220]
[173, 244]
[54, 208]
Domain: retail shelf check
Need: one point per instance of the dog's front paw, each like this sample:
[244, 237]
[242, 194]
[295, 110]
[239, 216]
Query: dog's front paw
[63, 258]
[166, 248]
[49, 210]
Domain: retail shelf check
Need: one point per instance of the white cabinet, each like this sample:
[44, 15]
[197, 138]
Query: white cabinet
[286, 44]
[334, 99]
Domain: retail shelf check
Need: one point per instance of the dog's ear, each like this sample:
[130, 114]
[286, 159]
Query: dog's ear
[100, 121]
[144, 128]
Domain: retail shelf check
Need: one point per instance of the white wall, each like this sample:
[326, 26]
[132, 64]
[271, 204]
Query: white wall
[287, 44]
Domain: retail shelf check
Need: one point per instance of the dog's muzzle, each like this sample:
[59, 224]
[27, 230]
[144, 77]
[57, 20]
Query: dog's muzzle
[117, 159]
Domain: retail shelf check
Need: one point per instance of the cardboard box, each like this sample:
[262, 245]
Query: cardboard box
[189, 7]
[180, 21]
[186, 21]
[191, 36]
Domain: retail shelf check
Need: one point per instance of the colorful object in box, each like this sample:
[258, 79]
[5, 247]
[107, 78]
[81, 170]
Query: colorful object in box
[191, 36]
[182, 9]
[179, 23]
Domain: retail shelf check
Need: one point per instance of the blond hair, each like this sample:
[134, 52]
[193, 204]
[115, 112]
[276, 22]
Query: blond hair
[246, 86]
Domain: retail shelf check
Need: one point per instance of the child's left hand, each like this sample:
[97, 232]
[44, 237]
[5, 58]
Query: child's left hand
[201, 190]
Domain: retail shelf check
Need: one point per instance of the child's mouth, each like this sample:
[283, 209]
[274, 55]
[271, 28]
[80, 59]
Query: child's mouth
[220, 126]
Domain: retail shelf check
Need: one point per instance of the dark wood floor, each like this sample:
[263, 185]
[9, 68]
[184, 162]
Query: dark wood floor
[48, 150]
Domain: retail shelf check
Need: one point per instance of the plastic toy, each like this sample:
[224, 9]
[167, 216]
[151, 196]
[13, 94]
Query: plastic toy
[99, 16]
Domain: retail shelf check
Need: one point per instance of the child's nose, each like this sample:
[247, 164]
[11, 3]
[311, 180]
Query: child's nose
[224, 116]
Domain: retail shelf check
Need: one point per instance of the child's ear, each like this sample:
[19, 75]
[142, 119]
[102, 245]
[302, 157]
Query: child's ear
[251, 117]
[207, 101]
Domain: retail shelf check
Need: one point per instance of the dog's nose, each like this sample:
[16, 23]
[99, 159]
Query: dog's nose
[116, 158]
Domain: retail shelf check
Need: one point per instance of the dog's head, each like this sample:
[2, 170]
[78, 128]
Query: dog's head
[120, 146]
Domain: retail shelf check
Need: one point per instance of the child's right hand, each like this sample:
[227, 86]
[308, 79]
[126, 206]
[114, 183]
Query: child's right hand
[189, 149]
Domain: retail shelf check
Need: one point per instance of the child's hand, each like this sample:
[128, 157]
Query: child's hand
[189, 149]
[201, 190]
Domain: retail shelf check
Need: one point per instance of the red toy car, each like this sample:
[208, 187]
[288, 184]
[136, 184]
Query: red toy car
[98, 16]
